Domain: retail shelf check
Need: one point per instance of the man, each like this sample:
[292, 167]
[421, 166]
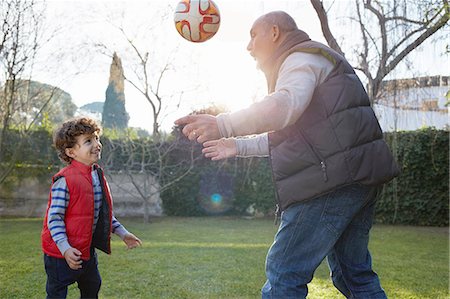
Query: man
[327, 155]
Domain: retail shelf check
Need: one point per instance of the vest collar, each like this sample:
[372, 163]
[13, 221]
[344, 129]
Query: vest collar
[83, 168]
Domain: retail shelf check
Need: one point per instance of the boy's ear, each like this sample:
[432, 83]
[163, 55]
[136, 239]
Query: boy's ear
[69, 152]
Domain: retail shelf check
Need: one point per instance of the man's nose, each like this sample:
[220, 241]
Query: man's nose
[249, 46]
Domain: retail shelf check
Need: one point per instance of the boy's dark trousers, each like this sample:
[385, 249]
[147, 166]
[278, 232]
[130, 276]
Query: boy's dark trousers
[60, 276]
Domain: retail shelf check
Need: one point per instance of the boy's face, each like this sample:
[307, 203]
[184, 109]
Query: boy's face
[87, 150]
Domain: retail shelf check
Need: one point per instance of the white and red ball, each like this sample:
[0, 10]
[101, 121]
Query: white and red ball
[197, 20]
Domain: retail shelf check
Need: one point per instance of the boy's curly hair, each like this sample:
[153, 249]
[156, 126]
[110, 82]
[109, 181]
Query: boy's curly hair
[65, 136]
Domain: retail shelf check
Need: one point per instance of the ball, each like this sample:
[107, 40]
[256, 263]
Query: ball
[197, 20]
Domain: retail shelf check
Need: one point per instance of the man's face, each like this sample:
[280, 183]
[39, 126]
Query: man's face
[261, 44]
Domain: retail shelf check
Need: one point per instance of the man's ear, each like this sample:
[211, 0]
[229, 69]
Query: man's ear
[275, 33]
[69, 152]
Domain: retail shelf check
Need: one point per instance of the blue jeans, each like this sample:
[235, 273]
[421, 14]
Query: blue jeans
[336, 226]
[60, 276]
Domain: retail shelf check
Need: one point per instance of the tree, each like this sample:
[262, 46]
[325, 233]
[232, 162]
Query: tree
[389, 31]
[115, 115]
[146, 161]
[148, 165]
[144, 84]
[21, 37]
[31, 96]
[153, 166]
[148, 58]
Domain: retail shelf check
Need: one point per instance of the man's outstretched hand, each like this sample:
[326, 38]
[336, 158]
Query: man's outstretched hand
[199, 127]
[220, 149]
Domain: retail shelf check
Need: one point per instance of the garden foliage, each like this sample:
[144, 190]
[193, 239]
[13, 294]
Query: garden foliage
[419, 196]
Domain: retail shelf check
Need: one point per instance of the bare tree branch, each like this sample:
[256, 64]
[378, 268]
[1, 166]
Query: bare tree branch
[396, 35]
[148, 166]
[323, 17]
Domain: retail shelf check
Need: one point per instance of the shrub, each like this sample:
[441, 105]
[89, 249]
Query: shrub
[419, 196]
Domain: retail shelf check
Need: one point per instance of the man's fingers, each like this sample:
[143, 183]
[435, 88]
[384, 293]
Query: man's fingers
[193, 135]
[191, 132]
[202, 139]
[211, 155]
[208, 150]
[209, 143]
[187, 130]
[181, 121]
[200, 127]
[185, 120]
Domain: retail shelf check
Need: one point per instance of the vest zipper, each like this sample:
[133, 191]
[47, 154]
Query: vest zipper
[277, 209]
[324, 170]
[318, 157]
[277, 216]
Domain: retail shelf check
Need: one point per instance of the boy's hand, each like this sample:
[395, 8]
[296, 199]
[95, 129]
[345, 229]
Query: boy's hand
[73, 258]
[132, 241]
[220, 149]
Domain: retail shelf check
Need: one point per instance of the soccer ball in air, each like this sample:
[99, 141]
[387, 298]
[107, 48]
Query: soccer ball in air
[197, 20]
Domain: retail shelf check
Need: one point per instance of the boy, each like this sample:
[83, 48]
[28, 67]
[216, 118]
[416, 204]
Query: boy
[79, 213]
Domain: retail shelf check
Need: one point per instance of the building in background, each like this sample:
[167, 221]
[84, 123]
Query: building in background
[411, 104]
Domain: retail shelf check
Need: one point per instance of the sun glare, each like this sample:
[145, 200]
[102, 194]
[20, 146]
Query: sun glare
[235, 83]
[217, 72]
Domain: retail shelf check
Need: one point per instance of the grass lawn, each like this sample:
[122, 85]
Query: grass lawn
[220, 258]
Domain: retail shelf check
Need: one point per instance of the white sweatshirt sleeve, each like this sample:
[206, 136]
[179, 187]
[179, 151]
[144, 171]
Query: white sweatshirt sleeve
[299, 75]
[252, 146]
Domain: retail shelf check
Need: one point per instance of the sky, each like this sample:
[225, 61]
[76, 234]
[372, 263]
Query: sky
[219, 71]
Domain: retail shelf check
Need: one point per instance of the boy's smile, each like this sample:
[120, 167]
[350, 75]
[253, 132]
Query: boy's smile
[87, 150]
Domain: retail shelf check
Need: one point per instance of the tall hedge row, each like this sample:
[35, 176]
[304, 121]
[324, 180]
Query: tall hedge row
[419, 196]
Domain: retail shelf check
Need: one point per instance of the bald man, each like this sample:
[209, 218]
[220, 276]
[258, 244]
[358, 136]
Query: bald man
[327, 154]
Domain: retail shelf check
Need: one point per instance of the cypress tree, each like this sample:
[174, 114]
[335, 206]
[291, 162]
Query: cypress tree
[115, 115]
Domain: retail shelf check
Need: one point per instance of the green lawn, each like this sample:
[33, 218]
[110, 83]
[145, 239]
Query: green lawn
[219, 258]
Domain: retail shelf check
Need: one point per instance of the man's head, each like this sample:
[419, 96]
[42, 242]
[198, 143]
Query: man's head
[267, 33]
[78, 139]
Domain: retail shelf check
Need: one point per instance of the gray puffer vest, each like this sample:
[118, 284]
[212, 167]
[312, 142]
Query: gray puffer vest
[336, 142]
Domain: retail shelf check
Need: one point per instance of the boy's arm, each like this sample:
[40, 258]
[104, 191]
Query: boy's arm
[56, 214]
[131, 240]
[118, 228]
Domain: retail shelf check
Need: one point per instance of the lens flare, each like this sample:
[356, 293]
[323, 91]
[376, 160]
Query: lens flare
[216, 198]
[216, 192]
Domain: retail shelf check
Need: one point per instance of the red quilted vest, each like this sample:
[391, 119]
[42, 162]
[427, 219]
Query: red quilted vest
[79, 215]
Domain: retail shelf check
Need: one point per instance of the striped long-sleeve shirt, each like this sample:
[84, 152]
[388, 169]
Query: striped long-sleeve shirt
[60, 198]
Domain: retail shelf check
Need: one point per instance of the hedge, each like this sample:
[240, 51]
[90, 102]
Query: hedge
[419, 196]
